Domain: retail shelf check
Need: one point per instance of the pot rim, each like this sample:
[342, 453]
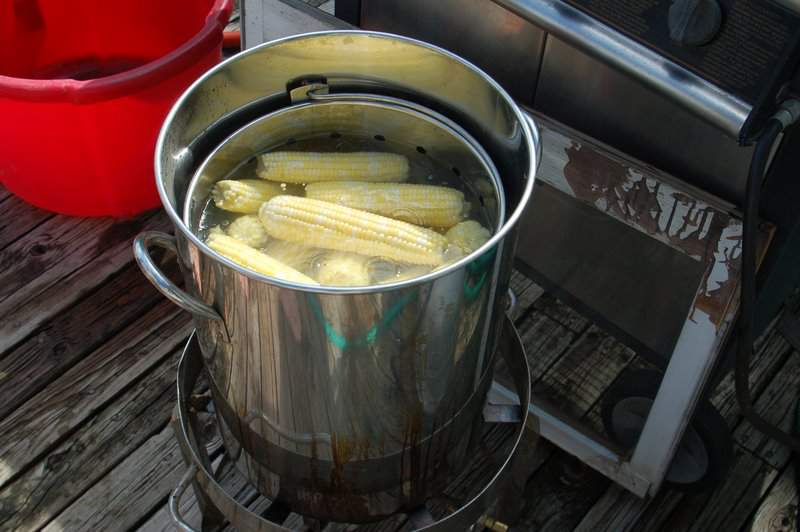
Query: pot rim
[530, 134]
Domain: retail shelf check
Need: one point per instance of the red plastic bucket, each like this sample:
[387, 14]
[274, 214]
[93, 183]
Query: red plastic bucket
[84, 88]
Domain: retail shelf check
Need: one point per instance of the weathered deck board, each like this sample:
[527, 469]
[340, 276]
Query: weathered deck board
[778, 511]
[553, 505]
[563, 490]
[114, 254]
[100, 443]
[67, 338]
[581, 376]
[69, 402]
[545, 341]
[54, 249]
[738, 495]
[18, 219]
[776, 404]
[613, 511]
[129, 492]
[557, 310]
[771, 352]
[161, 521]
[527, 293]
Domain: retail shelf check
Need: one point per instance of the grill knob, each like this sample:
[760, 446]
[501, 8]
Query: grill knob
[694, 22]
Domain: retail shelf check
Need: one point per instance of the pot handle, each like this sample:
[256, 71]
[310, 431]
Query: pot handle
[141, 252]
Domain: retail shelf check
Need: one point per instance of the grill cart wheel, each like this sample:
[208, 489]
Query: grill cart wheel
[706, 451]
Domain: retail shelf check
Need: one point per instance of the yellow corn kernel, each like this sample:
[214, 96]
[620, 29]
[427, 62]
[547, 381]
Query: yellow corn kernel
[253, 259]
[427, 205]
[468, 236]
[310, 167]
[245, 195]
[330, 226]
[248, 229]
[343, 269]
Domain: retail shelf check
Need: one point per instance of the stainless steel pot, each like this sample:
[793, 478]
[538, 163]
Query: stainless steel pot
[348, 403]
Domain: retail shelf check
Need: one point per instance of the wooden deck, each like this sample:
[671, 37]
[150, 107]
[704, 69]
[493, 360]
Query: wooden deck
[88, 353]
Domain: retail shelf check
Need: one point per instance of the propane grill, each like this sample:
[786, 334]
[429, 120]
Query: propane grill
[651, 113]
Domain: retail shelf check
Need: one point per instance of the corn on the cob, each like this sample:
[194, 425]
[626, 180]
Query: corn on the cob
[245, 196]
[468, 236]
[253, 259]
[298, 256]
[343, 269]
[248, 229]
[308, 167]
[330, 226]
[427, 205]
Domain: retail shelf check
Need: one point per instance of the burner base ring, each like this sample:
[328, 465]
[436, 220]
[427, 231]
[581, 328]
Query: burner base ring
[218, 505]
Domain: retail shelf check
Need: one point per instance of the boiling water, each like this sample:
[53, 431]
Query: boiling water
[422, 170]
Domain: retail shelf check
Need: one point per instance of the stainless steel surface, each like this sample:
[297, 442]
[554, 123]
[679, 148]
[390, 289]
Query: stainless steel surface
[375, 368]
[687, 89]
[600, 101]
[189, 369]
[445, 321]
[141, 252]
[476, 29]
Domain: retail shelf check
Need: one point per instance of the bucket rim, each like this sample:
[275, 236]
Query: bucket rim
[123, 83]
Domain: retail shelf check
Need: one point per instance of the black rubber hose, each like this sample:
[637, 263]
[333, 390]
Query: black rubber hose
[755, 176]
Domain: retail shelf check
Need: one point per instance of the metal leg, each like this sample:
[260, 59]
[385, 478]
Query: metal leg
[212, 517]
[686, 374]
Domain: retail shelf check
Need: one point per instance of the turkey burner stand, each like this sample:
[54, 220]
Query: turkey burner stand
[218, 505]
